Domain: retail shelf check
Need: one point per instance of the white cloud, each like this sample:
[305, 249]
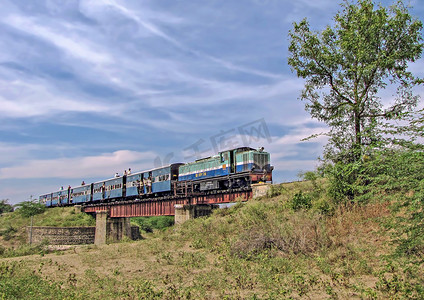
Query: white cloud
[81, 167]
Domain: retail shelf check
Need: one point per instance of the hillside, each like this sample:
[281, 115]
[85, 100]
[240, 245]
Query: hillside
[13, 234]
[292, 244]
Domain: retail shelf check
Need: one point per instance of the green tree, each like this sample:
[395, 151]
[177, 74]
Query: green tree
[348, 65]
[5, 207]
[30, 208]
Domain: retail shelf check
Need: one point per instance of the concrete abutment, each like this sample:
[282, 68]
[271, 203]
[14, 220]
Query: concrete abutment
[185, 212]
[260, 189]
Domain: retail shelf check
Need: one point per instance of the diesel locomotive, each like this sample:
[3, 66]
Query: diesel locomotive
[228, 170]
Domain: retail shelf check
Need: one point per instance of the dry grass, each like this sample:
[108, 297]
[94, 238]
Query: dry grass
[258, 250]
[355, 223]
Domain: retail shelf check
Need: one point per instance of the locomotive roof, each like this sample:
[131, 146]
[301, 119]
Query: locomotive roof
[239, 149]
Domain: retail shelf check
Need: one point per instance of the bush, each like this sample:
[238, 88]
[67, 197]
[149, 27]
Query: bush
[300, 201]
[8, 233]
[275, 190]
[343, 181]
[147, 224]
[323, 206]
[5, 207]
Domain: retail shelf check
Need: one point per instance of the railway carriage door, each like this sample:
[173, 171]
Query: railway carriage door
[232, 162]
[141, 185]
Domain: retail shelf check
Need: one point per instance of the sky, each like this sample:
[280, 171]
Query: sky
[89, 88]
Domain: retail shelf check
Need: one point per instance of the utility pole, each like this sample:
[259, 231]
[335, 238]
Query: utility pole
[30, 228]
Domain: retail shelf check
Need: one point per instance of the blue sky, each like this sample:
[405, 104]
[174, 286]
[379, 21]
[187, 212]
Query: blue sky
[89, 88]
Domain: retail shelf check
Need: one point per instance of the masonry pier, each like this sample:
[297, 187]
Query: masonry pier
[111, 229]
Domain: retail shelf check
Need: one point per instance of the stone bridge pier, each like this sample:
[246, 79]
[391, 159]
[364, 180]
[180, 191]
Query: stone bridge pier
[111, 229]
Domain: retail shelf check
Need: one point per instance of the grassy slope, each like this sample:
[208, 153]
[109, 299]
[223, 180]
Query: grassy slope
[13, 225]
[257, 250]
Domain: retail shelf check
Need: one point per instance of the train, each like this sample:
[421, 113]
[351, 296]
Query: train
[234, 169]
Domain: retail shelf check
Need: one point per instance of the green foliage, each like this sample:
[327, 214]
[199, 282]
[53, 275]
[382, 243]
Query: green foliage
[8, 233]
[5, 207]
[401, 281]
[275, 190]
[301, 201]
[345, 68]
[323, 206]
[18, 282]
[343, 181]
[149, 223]
[15, 283]
[24, 250]
[30, 208]
[65, 217]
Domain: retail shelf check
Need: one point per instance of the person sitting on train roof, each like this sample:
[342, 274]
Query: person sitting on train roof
[116, 175]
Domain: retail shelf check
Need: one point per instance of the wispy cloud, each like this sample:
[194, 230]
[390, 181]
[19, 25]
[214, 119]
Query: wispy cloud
[156, 31]
[80, 167]
[17, 100]
[75, 45]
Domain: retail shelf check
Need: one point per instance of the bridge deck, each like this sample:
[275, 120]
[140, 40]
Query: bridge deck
[165, 206]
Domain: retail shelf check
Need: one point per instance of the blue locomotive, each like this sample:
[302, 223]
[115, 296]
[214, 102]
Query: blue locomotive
[232, 169]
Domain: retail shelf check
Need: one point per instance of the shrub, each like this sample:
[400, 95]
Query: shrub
[323, 206]
[300, 201]
[8, 233]
[275, 190]
[149, 223]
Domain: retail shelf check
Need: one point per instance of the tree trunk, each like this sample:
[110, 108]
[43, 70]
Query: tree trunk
[358, 139]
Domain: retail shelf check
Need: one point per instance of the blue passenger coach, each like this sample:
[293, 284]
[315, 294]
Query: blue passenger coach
[55, 198]
[80, 194]
[162, 178]
[108, 189]
[135, 185]
[46, 199]
[63, 197]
